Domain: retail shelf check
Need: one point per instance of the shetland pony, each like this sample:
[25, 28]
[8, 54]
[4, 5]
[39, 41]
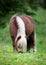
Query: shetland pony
[22, 31]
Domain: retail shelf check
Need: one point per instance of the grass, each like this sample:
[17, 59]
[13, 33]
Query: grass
[8, 57]
[22, 59]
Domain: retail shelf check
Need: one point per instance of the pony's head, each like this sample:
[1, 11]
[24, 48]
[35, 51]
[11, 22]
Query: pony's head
[21, 43]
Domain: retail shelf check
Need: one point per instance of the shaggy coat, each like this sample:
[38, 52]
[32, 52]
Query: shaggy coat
[29, 30]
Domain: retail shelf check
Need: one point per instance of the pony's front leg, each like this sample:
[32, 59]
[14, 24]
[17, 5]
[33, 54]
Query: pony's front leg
[14, 45]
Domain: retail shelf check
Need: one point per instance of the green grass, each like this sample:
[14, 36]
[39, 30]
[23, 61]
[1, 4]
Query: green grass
[8, 57]
[22, 59]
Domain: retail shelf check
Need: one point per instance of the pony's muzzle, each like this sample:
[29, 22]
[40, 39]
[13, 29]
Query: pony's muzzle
[19, 49]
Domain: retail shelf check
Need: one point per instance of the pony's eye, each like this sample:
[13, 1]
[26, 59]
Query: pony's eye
[18, 38]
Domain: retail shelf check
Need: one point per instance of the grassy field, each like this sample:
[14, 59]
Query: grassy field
[8, 57]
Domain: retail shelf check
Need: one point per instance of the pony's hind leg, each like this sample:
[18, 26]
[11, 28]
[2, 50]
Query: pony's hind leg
[31, 42]
[34, 39]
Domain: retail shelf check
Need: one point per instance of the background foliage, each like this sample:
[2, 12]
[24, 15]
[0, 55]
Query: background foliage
[22, 6]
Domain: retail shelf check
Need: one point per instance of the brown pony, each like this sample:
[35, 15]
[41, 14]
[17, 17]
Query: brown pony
[22, 31]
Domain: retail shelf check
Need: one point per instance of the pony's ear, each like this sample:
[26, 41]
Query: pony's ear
[18, 38]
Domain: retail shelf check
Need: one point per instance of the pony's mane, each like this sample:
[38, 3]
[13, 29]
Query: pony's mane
[20, 23]
[21, 27]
